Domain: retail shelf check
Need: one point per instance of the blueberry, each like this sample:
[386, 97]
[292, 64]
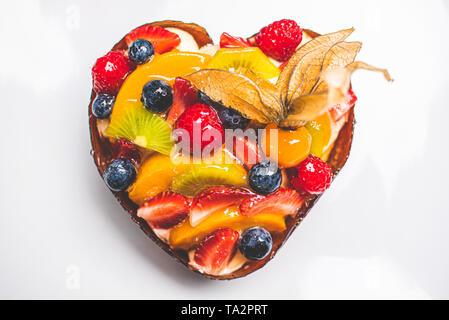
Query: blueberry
[102, 106]
[203, 98]
[119, 175]
[232, 119]
[157, 96]
[256, 243]
[141, 51]
[265, 177]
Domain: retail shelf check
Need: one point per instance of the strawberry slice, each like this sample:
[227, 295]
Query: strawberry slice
[340, 110]
[122, 148]
[214, 199]
[252, 40]
[283, 64]
[184, 95]
[213, 253]
[247, 151]
[161, 39]
[228, 41]
[283, 202]
[165, 210]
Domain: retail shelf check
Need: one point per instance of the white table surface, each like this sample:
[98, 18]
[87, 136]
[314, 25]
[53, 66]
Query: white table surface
[381, 231]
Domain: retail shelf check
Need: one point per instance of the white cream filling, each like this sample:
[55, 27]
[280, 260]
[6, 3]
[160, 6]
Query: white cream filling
[188, 42]
[235, 264]
[163, 234]
[209, 49]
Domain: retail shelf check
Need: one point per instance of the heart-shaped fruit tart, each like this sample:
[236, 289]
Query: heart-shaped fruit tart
[219, 151]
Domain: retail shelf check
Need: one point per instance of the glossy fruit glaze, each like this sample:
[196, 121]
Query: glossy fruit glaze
[164, 179]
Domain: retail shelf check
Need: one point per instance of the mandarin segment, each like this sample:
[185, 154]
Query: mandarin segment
[185, 236]
[165, 67]
[154, 177]
[292, 146]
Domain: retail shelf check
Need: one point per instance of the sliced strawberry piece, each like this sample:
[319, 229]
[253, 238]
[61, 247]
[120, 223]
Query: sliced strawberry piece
[165, 210]
[247, 151]
[228, 41]
[213, 253]
[214, 199]
[252, 40]
[283, 202]
[161, 39]
[282, 66]
[122, 148]
[351, 98]
[184, 95]
[339, 110]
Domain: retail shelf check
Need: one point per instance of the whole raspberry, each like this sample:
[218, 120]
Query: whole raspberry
[203, 127]
[313, 176]
[280, 39]
[110, 71]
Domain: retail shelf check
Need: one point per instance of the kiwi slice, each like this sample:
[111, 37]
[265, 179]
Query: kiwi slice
[201, 177]
[251, 58]
[142, 127]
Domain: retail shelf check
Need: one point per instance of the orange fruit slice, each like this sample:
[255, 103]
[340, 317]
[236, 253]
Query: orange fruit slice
[154, 177]
[184, 236]
[292, 146]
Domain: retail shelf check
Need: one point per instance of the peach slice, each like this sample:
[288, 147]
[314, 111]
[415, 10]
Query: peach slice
[166, 67]
[185, 236]
[292, 147]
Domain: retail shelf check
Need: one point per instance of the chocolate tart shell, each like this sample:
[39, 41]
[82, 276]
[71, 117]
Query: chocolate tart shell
[101, 152]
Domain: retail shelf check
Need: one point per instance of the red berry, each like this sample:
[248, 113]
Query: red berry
[339, 110]
[228, 41]
[247, 151]
[214, 199]
[161, 39]
[203, 126]
[215, 250]
[122, 148]
[283, 64]
[280, 39]
[284, 202]
[184, 95]
[165, 210]
[110, 71]
[351, 98]
[313, 176]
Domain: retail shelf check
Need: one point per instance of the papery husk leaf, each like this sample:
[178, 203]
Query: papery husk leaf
[340, 55]
[238, 92]
[269, 93]
[359, 65]
[324, 41]
[308, 107]
[306, 75]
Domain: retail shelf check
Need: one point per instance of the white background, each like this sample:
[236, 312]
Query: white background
[381, 231]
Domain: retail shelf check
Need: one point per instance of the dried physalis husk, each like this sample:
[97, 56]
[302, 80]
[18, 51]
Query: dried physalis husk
[339, 55]
[319, 45]
[269, 93]
[253, 97]
[315, 78]
[338, 80]
[307, 72]
[359, 65]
